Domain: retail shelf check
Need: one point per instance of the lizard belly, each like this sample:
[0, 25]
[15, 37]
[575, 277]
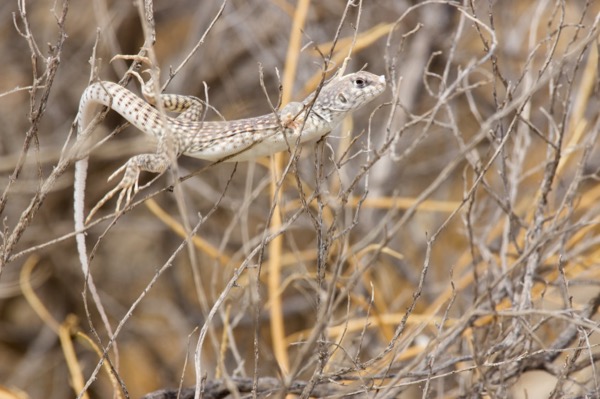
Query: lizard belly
[246, 147]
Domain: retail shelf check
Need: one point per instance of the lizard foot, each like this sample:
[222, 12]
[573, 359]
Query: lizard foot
[126, 188]
[138, 58]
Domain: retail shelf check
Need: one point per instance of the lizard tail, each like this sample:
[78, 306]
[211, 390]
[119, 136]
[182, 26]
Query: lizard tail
[78, 211]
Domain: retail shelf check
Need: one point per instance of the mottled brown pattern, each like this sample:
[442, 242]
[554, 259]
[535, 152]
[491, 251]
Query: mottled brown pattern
[237, 140]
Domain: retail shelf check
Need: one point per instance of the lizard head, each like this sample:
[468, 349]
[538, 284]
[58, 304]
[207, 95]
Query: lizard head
[345, 94]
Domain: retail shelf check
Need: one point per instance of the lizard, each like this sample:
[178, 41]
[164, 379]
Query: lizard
[237, 140]
[231, 141]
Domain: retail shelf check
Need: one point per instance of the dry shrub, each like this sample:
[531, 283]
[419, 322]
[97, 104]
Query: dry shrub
[441, 243]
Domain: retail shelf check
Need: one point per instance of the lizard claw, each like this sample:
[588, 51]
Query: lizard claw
[147, 87]
[127, 187]
[137, 76]
[135, 57]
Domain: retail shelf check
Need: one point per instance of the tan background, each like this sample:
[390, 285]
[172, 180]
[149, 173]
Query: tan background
[503, 308]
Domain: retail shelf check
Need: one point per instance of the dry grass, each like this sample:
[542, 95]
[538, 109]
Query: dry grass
[441, 243]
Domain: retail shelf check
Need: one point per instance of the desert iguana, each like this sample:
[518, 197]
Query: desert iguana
[237, 140]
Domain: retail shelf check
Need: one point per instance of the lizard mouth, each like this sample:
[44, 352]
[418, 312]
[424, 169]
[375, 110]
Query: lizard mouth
[382, 79]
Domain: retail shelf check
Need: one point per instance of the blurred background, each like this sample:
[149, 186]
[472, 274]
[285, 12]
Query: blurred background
[441, 242]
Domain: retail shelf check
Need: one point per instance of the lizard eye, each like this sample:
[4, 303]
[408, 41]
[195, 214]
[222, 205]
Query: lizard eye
[341, 98]
[360, 83]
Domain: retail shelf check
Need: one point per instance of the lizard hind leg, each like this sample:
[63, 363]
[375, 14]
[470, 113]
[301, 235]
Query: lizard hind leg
[189, 107]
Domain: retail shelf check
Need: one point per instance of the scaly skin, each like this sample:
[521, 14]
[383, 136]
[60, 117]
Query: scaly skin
[237, 140]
